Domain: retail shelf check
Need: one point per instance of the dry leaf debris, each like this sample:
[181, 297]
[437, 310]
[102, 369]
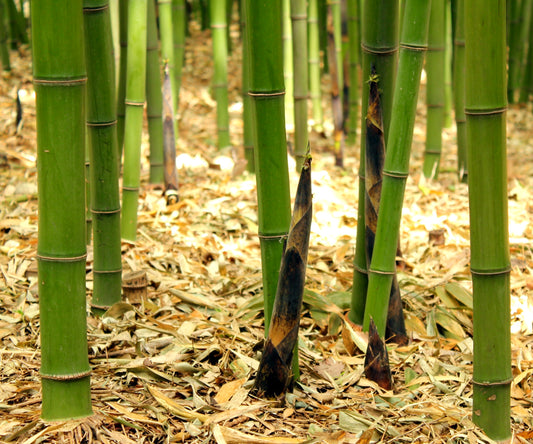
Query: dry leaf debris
[177, 365]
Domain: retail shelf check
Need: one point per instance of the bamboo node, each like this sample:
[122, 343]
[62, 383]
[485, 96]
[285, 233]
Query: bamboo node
[360, 269]
[409, 47]
[396, 174]
[383, 51]
[115, 211]
[118, 270]
[496, 272]
[296, 17]
[101, 124]
[62, 259]
[70, 377]
[134, 103]
[60, 82]
[485, 112]
[493, 383]
[266, 94]
[382, 272]
[94, 9]
[281, 236]
[126, 188]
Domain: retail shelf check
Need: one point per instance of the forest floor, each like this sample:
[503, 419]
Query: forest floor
[177, 364]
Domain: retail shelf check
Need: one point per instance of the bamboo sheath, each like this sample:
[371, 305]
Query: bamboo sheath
[101, 128]
[60, 82]
[485, 108]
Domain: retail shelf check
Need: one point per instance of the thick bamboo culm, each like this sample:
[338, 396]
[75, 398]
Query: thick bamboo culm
[102, 137]
[60, 80]
[485, 107]
[271, 166]
[123, 57]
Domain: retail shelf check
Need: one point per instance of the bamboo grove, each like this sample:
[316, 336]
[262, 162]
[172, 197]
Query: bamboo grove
[373, 53]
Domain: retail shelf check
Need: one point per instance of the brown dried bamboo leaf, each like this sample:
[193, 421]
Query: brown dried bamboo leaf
[233, 436]
[175, 408]
[377, 366]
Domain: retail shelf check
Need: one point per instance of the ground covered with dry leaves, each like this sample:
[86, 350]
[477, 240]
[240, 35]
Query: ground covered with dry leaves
[177, 364]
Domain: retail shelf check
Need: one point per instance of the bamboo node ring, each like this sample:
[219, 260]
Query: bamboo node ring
[493, 383]
[71, 377]
[61, 259]
[268, 94]
[497, 272]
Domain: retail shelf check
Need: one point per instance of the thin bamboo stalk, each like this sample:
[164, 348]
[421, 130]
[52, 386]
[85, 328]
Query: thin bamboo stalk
[59, 81]
[353, 55]
[314, 66]
[4, 47]
[267, 92]
[301, 79]
[135, 97]
[248, 140]
[101, 128]
[168, 53]
[486, 107]
[459, 90]
[396, 169]
[123, 67]
[288, 65]
[154, 98]
[220, 75]
[179, 27]
[435, 90]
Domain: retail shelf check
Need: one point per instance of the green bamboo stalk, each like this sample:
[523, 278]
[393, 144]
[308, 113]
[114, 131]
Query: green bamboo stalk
[379, 45]
[59, 81]
[179, 27]
[171, 174]
[101, 129]
[4, 47]
[154, 99]
[135, 97]
[396, 168]
[220, 76]
[354, 45]
[524, 36]
[288, 65]
[314, 66]
[335, 6]
[486, 107]
[301, 79]
[459, 90]
[267, 91]
[17, 24]
[247, 117]
[123, 67]
[527, 85]
[515, 25]
[168, 54]
[448, 93]
[88, 214]
[434, 90]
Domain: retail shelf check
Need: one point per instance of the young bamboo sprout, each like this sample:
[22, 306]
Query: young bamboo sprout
[274, 373]
[375, 158]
